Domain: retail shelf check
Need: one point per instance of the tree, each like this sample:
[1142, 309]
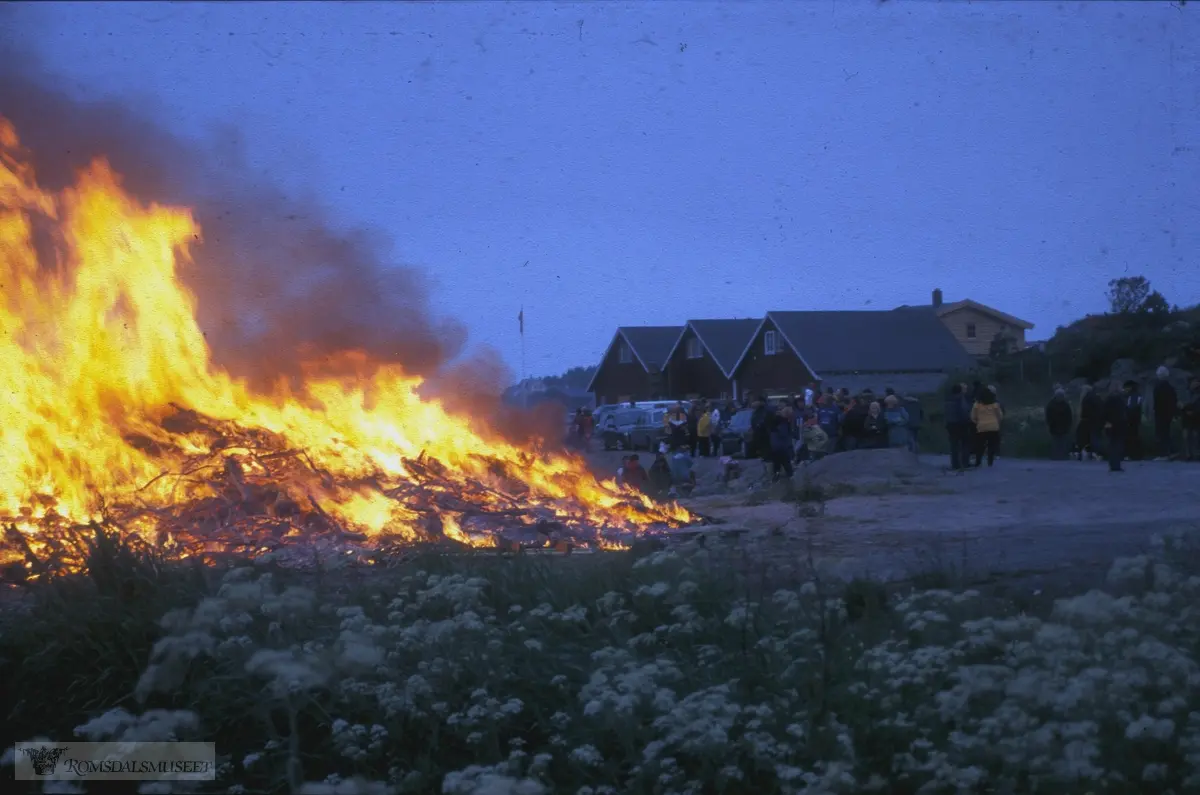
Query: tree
[1002, 345]
[1156, 305]
[574, 378]
[1128, 294]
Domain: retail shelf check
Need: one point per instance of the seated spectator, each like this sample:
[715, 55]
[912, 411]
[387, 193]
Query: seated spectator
[634, 476]
[659, 477]
[621, 470]
[683, 474]
[816, 441]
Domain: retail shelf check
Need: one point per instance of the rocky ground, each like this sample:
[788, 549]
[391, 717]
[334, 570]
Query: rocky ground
[890, 514]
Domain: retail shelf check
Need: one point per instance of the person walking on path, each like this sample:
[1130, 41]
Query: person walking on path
[1164, 405]
[1115, 417]
[1058, 422]
[987, 416]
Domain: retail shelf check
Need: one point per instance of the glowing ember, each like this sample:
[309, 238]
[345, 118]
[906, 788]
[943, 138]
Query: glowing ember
[114, 411]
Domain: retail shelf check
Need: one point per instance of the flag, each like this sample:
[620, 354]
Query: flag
[521, 321]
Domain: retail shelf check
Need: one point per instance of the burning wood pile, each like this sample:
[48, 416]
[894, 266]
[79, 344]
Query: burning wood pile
[263, 499]
[116, 417]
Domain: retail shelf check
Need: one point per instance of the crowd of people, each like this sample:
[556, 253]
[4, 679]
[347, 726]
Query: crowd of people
[804, 427]
[1110, 426]
[783, 432]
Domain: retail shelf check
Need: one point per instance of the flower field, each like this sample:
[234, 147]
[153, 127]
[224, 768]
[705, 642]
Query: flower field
[661, 672]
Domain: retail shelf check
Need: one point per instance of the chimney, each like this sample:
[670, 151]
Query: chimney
[937, 298]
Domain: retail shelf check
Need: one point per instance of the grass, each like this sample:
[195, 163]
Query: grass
[690, 669]
[1024, 433]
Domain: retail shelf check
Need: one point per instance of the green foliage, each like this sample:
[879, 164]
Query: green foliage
[574, 378]
[1128, 294]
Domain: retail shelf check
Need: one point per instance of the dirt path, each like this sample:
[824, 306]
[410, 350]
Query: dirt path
[1033, 519]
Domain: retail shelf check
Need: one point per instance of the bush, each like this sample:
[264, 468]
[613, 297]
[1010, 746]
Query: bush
[675, 672]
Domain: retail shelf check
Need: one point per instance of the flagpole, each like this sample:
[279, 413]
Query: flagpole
[521, 328]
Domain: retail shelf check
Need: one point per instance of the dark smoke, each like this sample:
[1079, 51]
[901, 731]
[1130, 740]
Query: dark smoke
[277, 284]
[275, 281]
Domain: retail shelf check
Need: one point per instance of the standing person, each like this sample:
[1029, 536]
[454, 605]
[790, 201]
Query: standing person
[587, 424]
[973, 396]
[704, 432]
[779, 442]
[759, 434]
[987, 416]
[1091, 422]
[1164, 405]
[874, 432]
[958, 420]
[1190, 419]
[714, 431]
[1058, 422]
[693, 426]
[896, 417]
[675, 423]
[829, 417]
[1114, 417]
[1133, 421]
[854, 424]
[916, 418]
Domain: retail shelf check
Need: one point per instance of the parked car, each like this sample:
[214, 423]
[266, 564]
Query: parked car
[736, 436]
[633, 429]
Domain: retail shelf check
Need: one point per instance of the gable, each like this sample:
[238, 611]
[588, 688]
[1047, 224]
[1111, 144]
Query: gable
[723, 340]
[648, 345]
[996, 315]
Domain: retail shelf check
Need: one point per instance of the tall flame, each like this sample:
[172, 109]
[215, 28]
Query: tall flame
[99, 349]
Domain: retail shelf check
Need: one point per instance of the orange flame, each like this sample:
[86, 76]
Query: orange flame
[98, 352]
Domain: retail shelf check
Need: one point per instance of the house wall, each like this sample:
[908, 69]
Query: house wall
[692, 378]
[615, 381]
[986, 329]
[780, 373]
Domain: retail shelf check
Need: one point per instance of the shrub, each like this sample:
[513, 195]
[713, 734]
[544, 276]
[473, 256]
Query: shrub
[670, 673]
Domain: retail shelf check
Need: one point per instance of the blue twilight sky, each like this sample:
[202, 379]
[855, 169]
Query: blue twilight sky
[608, 163]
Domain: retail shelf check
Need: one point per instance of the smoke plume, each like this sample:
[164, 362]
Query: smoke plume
[276, 282]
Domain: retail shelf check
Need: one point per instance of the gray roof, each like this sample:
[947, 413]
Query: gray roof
[651, 344]
[872, 341]
[903, 383]
[726, 339]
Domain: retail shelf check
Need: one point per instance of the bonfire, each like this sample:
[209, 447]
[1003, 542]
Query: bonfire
[116, 416]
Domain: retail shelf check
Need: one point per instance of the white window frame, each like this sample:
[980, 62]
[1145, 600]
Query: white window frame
[971, 332]
[770, 343]
[625, 354]
[694, 349]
